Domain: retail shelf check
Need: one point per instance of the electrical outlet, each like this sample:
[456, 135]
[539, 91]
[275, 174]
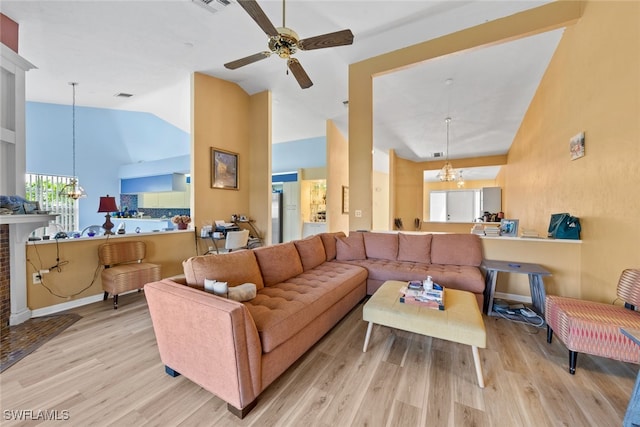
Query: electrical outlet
[358, 213]
[37, 279]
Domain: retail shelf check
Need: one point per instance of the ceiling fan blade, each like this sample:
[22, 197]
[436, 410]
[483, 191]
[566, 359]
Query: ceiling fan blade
[338, 38]
[247, 60]
[255, 11]
[298, 72]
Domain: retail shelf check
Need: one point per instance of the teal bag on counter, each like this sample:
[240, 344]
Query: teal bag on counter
[564, 226]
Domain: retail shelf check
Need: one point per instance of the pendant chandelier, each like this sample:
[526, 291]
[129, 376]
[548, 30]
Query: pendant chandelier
[447, 173]
[73, 189]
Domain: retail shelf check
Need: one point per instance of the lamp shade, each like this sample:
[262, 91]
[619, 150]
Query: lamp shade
[107, 204]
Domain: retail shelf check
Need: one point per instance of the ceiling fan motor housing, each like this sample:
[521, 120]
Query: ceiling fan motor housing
[285, 44]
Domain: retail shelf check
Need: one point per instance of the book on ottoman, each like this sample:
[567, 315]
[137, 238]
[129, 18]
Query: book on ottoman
[431, 298]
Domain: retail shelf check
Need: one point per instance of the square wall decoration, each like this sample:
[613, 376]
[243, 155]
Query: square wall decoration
[576, 146]
[224, 169]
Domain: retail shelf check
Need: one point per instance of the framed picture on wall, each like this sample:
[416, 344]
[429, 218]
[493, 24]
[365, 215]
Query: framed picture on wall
[509, 227]
[576, 146]
[224, 169]
[345, 199]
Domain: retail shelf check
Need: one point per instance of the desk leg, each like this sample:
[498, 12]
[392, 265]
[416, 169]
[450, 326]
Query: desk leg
[538, 293]
[632, 416]
[215, 245]
[489, 290]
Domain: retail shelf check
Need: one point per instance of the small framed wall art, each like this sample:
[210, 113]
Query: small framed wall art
[576, 146]
[345, 199]
[224, 169]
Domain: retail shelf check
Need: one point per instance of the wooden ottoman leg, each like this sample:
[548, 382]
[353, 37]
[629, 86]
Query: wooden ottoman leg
[366, 338]
[476, 361]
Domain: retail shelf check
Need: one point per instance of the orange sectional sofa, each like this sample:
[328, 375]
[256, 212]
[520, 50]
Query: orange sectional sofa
[237, 349]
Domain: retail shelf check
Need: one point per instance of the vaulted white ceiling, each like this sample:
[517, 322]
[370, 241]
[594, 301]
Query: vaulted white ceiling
[149, 48]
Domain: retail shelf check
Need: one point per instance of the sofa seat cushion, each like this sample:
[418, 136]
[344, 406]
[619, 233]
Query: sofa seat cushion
[461, 277]
[282, 310]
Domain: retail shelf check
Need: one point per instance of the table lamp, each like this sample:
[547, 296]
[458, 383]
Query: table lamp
[108, 205]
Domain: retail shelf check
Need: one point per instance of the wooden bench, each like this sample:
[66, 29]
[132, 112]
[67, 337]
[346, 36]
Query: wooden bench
[123, 268]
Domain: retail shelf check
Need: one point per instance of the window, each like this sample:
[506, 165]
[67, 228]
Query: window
[45, 189]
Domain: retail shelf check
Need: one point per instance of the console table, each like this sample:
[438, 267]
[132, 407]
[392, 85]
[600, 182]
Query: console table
[536, 284]
[632, 417]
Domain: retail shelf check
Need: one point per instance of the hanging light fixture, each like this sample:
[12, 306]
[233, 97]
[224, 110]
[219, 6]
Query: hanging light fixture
[447, 173]
[73, 189]
[460, 182]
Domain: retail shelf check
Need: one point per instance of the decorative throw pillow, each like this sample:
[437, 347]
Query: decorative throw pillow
[414, 247]
[350, 248]
[240, 293]
[311, 251]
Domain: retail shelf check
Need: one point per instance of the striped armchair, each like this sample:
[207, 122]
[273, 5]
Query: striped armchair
[593, 327]
[123, 268]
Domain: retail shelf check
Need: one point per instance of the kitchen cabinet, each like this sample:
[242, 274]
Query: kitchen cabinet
[491, 199]
[172, 199]
[153, 184]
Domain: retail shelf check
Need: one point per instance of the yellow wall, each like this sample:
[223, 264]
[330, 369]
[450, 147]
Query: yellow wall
[561, 258]
[167, 249]
[337, 176]
[381, 219]
[221, 114]
[260, 163]
[547, 17]
[593, 85]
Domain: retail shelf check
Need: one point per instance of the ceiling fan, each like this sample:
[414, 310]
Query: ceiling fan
[285, 42]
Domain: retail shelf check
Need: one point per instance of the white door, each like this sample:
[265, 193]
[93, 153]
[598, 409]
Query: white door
[460, 206]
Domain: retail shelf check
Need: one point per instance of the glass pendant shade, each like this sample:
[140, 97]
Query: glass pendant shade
[73, 190]
[447, 173]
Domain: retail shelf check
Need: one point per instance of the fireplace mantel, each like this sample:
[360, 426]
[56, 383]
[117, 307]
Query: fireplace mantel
[20, 226]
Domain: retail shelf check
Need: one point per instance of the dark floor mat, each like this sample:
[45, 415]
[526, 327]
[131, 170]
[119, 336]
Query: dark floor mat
[18, 341]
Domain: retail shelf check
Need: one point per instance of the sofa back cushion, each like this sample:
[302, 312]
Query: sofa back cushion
[381, 245]
[278, 262]
[235, 268]
[456, 249]
[329, 242]
[414, 247]
[311, 251]
[350, 248]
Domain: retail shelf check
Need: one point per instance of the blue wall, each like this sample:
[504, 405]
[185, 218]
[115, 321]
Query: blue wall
[105, 140]
[304, 153]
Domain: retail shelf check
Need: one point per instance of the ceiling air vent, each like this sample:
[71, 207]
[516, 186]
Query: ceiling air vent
[438, 154]
[212, 6]
[123, 95]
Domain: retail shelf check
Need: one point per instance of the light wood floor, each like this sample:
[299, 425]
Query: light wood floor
[105, 370]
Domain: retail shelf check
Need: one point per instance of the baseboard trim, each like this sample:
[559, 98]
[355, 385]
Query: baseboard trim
[52, 309]
[513, 297]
